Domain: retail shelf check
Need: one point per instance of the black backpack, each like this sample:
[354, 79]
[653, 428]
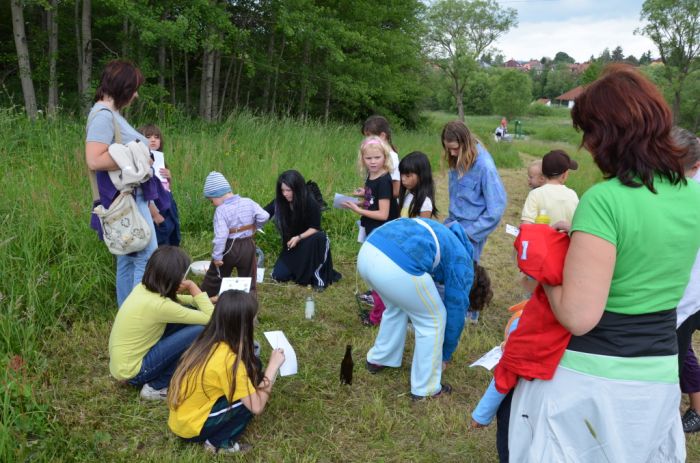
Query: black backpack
[315, 192]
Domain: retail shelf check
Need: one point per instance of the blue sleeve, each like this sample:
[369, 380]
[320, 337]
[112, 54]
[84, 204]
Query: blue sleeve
[458, 282]
[488, 405]
[495, 199]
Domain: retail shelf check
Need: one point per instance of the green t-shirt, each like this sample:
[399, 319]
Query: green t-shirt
[656, 235]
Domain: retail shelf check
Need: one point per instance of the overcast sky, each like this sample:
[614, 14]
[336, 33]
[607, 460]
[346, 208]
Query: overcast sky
[580, 28]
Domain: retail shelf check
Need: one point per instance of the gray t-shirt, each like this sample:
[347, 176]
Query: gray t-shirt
[100, 127]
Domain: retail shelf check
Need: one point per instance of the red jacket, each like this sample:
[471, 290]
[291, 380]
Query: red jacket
[534, 349]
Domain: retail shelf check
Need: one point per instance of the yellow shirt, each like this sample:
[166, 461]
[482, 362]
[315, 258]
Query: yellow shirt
[140, 324]
[187, 421]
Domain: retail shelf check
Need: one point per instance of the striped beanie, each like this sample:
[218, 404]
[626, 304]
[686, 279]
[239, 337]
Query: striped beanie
[216, 185]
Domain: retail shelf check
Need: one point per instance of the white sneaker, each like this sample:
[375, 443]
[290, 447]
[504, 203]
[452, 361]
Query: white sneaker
[148, 393]
[236, 448]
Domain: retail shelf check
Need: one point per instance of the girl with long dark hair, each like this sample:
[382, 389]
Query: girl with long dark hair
[417, 193]
[212, 394]
[305, 257]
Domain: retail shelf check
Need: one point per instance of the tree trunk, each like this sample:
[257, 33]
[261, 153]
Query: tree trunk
[207, 85]
[173, 100]
[125, 36]
[327, 111]
[86, 69]
[215, 85]
[277, 73]
[304, 79]
[203, 84]
[161, 75]
[187, 83]
[79, 49]
[52, 14]
[25, 70]
[676, 107]
[239, 73]
[268, 79]
[223, 92]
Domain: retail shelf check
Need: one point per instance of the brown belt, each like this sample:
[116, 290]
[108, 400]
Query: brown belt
[242, 229]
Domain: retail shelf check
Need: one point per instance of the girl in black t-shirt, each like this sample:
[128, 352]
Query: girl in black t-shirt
[379, 205]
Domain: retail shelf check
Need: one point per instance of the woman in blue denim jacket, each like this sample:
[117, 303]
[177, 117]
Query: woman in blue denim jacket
[477, 196]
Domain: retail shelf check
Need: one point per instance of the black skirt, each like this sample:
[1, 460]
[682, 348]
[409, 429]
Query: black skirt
[308, 263]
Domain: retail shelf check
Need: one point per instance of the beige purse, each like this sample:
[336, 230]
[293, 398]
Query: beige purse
[123, 227]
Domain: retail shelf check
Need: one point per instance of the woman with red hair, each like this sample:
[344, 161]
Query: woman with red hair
[634, 237]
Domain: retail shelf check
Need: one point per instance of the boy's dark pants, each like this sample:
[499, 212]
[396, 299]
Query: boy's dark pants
[241, 256]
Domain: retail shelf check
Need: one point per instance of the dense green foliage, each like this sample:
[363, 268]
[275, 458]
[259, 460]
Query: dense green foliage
[511, 94]
[330, 59]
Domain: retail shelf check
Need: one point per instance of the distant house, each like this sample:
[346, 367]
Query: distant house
[578, 68]
[533, 65]
[544, 101]
[511, 63]
[567, 98]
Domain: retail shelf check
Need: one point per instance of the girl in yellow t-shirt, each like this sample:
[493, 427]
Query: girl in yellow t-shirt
[211, 396]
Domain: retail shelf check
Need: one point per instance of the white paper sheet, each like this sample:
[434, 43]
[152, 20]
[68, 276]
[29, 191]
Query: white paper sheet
[278, 339]
[512, 230]
[241, 284]
[489, 359]
[158, 164]
[339, 199]
[260, 276]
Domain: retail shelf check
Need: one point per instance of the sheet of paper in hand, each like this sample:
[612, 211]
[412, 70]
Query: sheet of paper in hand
[241, 284]
[158, 164]
[278, 339]
[489, 359]
[339, 199]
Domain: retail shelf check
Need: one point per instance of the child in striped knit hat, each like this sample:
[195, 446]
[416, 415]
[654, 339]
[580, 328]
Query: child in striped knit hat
[235, 221]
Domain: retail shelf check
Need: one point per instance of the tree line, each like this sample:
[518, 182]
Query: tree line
[313, 58]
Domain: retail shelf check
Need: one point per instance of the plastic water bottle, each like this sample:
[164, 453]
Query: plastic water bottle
[542, 217]
[310, 308]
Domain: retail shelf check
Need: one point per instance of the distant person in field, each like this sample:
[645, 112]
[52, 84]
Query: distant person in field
[634, 238]
[305, 257]
[535, 179]
[477, 195]
[554, 197]
[118, 87]
[165, 220]
[219, 384]
[157, 323]
[235, 221]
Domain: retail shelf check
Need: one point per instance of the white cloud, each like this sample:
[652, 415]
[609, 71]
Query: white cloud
[579, 37]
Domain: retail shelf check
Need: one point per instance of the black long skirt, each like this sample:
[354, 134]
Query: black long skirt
[308, 263]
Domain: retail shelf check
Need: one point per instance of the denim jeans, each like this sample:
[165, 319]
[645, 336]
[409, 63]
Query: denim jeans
[159, 363]
[130, 267]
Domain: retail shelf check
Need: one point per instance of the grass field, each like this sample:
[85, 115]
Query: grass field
[59, 402]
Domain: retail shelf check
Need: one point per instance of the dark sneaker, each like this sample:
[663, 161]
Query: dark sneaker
[446, 389]
[374, 368]
[691, 421]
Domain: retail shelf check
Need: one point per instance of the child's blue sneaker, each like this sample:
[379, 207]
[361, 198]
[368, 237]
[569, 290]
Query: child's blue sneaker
[472, 317]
